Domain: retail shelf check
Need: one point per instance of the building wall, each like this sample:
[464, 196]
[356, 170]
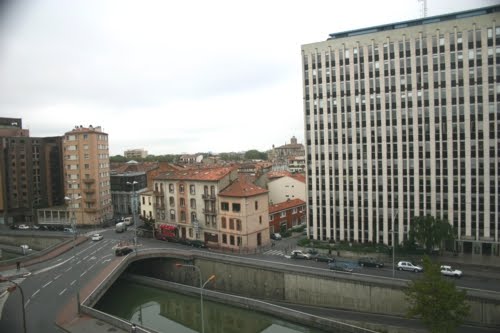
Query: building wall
[283, 220]
[86, 168]
[254, 231]
[285, 188]
[404, 121]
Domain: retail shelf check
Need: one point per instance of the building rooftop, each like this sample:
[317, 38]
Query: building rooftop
[207, 174]
[286, 205]
[241, 188]
[421, 21]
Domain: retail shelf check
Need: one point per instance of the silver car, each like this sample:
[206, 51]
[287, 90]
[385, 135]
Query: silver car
[448, 271]
[408, 266]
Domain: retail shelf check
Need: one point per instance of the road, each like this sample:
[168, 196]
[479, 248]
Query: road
[53, 285]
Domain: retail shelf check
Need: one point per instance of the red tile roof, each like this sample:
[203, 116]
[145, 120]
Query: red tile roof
[278, 174]
[207, 174]
[300, 177]
[286, 205]
[242, 188]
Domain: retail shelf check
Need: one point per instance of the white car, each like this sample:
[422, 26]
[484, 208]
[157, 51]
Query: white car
[448, 271]
[408, 266]
[96, 237]
[298, 254]
[23, 227]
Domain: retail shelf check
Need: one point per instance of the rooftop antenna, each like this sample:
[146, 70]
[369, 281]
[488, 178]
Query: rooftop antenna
[424, 8]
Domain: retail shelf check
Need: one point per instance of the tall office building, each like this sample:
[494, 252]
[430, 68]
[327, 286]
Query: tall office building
[403, 120]
[86, 175]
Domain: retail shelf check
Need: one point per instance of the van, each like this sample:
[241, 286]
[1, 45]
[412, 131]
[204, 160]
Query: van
[128, 220]
[121, 227]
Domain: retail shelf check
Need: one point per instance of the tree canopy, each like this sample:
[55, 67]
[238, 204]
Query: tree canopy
[430, 232]
[436, 300]
[254, 154]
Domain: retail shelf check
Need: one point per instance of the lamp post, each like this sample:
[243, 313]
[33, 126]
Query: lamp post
[393, 247]
[202, 285]
[133, 201]
[71, 200]
[10, 289]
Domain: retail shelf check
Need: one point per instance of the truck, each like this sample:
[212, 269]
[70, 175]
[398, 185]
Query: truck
[128, 220]
[121, 227]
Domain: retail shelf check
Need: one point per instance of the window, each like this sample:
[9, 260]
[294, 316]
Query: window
[224, 239]
[171, 188]
[236, 207]
[223, 223]
[294, 211]
[171, 201]
[238, 225]
[192, 189]
[231, 240]
[271, 217]
[256, 205]
[193, 203]
[283, 214]
[183, 216]
[260, 219]
[182, 202]
[224, 206]
[231, 224]
[181, 188]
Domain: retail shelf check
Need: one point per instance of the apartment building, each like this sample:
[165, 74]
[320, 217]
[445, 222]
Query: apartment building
[135, 153]
[187, 200]
[403, 120]
[30, 173]
[287, 214]
[87, 175]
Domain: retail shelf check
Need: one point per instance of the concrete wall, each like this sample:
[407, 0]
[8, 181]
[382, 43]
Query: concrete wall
[36, 241]
[282, 282]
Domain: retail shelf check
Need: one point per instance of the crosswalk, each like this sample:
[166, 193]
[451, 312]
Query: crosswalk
[275, 253]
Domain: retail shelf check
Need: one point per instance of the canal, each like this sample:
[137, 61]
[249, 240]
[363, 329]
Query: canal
[167, 311]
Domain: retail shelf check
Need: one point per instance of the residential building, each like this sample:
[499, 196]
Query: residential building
[297, 164]
[87, 175]
[280, 156]
[286, 214]
[288, 187]
[403, 120]
[243, 211]
[187, 200]
[126, 188]
[135, 153]
[30, 175]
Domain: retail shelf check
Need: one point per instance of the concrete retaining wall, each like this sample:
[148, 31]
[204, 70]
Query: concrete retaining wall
[35, 241]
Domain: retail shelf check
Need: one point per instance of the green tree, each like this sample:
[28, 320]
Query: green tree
[255, 155]
[430, 232]
[437, 301]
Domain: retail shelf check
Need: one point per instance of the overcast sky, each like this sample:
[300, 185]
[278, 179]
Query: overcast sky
[175, 76]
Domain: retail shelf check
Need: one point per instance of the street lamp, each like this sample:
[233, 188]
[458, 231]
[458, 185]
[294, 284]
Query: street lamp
[11, 289]
[133, 201]
[202, 285]
[393, 247]
[73, 218]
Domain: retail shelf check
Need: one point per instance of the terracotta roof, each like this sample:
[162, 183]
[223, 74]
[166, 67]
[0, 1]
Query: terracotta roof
[286, 205]
[132, 166]
[210, 174]
[242, 188]
[278, 174]
[300, 177]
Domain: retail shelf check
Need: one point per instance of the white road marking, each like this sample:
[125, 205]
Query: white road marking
[85, 257]
[107, 255]
[36, 292]
[45, 285]
[72, 283]
[78, 263]
[62, 292]
[59, 259]
[69, 268]
[57, 277]
[83, 273]
[105, 261]
[52, 267]
[27, 302]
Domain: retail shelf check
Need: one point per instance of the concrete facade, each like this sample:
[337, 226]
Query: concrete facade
[286, 188]
[404, 119]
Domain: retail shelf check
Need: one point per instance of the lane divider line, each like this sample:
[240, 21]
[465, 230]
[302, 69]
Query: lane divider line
[36, 292]
[45, 285]
[62, 292]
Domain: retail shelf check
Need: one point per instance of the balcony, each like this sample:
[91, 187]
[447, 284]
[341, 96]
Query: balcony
[90, 200]
[89, 181]
[210, 197]
[89, 191]
[159, 193]
[90, 210]
[209, 211]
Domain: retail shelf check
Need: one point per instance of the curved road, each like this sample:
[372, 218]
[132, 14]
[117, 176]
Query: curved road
[53, 285]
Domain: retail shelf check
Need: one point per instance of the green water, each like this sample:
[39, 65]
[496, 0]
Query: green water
[166, 311]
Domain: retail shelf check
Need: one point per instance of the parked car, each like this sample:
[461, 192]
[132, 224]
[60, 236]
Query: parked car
[69, 230]
[322, 258]
[298, 254]
[370, 262]
[448, 271]
[276, 236]
[123, 251]
[408, 266]
[97, 237]
[23, 227]
[197, 243]
[340, 266]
